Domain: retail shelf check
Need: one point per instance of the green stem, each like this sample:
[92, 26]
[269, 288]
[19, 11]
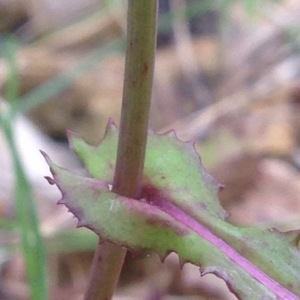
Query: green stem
[139, 67]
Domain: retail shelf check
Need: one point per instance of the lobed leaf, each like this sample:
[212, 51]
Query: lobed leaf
[179, 211]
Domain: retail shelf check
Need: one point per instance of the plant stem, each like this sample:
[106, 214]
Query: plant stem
[139, 67]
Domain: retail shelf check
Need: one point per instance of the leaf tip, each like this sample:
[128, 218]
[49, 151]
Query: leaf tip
[61, 201]
[51, 165]
[111, 126]
[221, 186]
[171, 133]
[50, 180]
[45, 155]
[48, 160]
[71, 135]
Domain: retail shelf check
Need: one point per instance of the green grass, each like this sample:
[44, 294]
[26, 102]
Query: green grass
[26, 216]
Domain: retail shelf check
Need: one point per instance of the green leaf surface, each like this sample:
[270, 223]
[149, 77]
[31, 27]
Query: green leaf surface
[179, 212]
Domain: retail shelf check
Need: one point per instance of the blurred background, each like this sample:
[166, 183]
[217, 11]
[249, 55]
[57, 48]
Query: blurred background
[227, 75]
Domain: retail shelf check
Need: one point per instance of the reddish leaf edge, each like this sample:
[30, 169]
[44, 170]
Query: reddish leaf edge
[180, 215]
[183, 218]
